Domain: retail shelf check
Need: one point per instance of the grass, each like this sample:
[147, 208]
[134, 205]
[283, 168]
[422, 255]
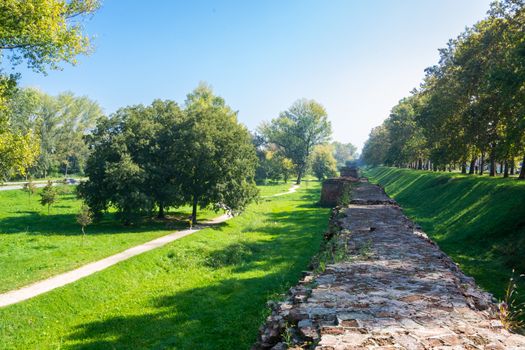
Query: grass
[205, 291]
[35, 245]
[270, 189]
[478, 221]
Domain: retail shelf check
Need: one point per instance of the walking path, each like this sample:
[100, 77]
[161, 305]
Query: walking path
[392, 288]
[37, 288]
[291, 190]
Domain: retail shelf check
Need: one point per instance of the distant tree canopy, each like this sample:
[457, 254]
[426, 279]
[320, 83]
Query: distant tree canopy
[149, 158]
[470, 109]
[297, 131]
[343, 152]
[57, 125]
[41, 34]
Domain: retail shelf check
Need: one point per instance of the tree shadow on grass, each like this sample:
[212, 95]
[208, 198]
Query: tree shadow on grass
[34, 223]
[224, 314]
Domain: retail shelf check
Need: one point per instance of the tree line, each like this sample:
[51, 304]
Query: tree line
[469, 112]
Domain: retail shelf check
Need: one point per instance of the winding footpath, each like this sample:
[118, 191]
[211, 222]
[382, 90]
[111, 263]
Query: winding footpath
[390, 288]
[37, 288]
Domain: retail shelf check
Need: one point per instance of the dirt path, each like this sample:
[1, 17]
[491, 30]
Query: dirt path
[291, 190]
[37, 288]
[391, 288]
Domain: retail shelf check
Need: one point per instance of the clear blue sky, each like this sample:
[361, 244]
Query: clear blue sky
[357, 58]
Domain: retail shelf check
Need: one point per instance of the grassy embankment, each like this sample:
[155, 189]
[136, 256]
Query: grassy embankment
[478, 221]
[205, 291]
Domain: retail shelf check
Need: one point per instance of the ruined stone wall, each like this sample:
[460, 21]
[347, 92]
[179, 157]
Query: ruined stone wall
[349, 172]
[333, 189]
[380, 283]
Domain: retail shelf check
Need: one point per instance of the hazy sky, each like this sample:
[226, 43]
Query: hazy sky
[357, 58]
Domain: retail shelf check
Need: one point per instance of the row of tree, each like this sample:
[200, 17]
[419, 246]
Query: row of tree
[57, 125]
[469, 112]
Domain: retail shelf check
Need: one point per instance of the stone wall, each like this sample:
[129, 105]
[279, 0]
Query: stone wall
[333, 189]
[380, 283]
[349, 171]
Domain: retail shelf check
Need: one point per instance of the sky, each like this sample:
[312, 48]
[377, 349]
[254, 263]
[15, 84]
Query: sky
[357, 58]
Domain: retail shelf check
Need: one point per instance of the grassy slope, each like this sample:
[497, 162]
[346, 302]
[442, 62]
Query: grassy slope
[35, 245]
[205, 291]
[479, 222]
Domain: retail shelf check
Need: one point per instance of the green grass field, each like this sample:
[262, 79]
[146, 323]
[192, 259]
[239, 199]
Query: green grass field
[478, 221]
[205, 291]
[35, 245]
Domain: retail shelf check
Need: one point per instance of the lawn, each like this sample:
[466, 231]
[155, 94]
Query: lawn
[478, 221]
[35, 245]
[205, 291]
[271, 188]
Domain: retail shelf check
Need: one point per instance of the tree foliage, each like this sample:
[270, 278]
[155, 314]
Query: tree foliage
[297, 131]
[41, 33]
[58, 124]
[149, 158]
[470, 109]
[48, 196]
[84, 218]
[324, 164]
[343, 152]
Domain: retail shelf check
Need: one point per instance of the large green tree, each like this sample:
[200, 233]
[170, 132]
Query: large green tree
[130, 166]
[297, 131]
[215, 156]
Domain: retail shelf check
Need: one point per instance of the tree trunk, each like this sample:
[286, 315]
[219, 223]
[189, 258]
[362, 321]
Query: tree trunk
[161, 211]
[482, 164]
[65, 173]
[299, 176]
[506, 170]
[512, 166]
[194, 210]
[419, 164]
[492, 164]
[472, 166]
[522, 171]
[501, 167]
[464, 167]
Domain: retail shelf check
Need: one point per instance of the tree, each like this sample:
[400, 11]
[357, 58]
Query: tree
[215, 157]
[129, 167]
[323, 162]
[376, 147]
[41, 33]
[84, 218]
[17, 153]
[343, 152]
[44, 33]
[59, 125]
[159, 156]
[48, 196]
[297, 131]
[30, 188]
